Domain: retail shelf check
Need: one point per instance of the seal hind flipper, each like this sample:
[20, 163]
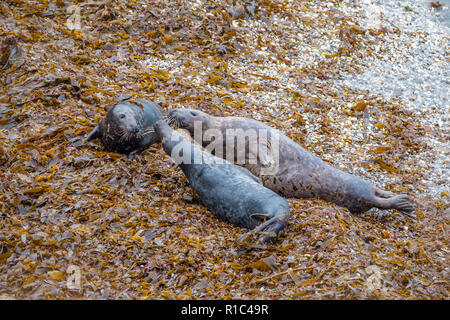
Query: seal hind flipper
[399, 202]
[269, 229]
[382, 193]
[404, 204]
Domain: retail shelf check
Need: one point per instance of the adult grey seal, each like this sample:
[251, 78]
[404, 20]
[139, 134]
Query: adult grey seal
[299, 173]
[128, 127]
[233, 193]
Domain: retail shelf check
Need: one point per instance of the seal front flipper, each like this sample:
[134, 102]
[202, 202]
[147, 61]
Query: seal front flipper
[95, 133]
[136, 152]
[260, 216]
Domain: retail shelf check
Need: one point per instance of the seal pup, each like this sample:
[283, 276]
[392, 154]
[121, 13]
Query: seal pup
[299, 173]
[233, 193]
[127, 127]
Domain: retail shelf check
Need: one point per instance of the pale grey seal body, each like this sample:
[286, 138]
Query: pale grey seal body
[233, 193]
[128, 127]
[299, 174]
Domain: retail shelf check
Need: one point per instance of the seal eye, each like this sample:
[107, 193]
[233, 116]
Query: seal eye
[122, 116]
[193, 113]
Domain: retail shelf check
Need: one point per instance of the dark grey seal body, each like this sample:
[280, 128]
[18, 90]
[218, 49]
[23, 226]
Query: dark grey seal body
[233, 193]
[299, 174]
[128, 127]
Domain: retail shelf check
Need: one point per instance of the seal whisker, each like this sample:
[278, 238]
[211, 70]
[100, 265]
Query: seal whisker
[130, 136]
[123, 136]
[171, 119]
[120, 134]
[147, 132]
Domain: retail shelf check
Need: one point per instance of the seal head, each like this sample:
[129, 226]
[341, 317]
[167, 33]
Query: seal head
[187, 118]
[126, 119]
[128, 127]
